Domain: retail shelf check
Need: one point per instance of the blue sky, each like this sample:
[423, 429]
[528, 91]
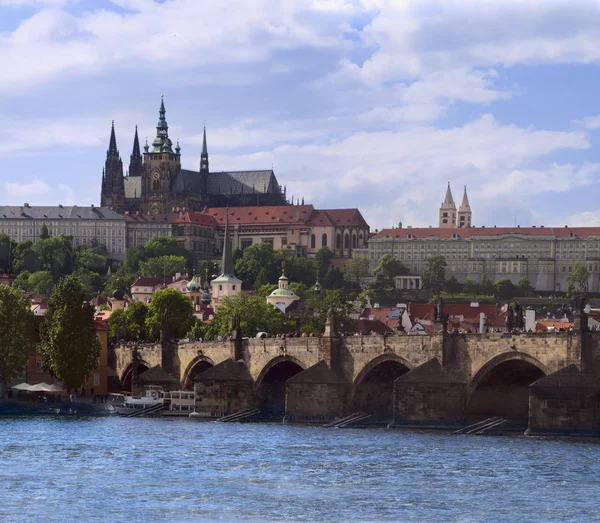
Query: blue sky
[372, 104]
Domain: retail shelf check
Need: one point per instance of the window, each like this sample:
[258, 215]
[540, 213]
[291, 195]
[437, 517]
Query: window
[324, 240]
[338, 241]
[346, 241]
[220, 287]
[313, 241]
[246, 244]
[38, 362]
[96, 380]
[233, 287]
[354, 244]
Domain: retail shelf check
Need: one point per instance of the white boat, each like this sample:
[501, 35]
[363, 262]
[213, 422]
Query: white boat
[176, 403]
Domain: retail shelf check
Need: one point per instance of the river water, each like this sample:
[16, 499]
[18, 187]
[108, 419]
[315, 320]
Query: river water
[120, 469]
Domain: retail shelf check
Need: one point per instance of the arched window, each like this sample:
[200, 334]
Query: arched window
[324, 240]
[346, 241]
[354, 240]
[338, 241]
[155, 185]
[313, 241]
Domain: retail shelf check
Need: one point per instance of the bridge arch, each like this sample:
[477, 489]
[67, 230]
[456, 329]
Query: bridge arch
[373, 388]
[127, 374]
[270, 385]
[198, 365]
[501, 387]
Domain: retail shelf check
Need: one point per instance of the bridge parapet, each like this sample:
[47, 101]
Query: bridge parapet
[553, 350]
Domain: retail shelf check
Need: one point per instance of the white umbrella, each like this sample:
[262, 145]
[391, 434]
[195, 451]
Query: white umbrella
[40, 387]
[21, 386]
[55, 388]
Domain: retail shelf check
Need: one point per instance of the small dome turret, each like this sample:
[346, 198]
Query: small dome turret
[194, 285]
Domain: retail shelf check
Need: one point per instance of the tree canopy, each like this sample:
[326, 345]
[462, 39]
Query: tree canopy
[17, 333]
[434, 275]
[578, 280]
[161, 266]
[356, 271]
[170, 312]
[70, 343]
[256, 315]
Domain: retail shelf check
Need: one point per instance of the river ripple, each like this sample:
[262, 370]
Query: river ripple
[118, 469]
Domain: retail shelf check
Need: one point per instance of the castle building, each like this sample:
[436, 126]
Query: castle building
[156, 183]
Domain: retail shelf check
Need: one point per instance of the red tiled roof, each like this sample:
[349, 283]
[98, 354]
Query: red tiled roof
[195, 217]
[272, 214]
[437, 232]
[376, 326]
[422, 311]
[346, 217]
[465, 310]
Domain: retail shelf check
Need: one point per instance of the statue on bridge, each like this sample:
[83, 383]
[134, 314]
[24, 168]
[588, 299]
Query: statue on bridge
[236, 327]
[509, 322]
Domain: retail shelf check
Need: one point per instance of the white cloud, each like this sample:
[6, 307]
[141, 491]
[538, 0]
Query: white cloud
[591, 123]
[25, 190]
[37, 192]
[584, 219]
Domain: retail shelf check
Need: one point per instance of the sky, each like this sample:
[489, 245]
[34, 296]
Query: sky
[374, 104]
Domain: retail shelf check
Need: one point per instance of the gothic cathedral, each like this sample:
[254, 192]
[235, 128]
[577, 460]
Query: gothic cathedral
[156, 183]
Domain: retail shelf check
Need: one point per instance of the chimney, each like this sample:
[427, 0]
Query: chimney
[21, 212]
[26, 205]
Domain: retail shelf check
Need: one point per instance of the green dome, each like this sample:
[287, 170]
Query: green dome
[194, 285]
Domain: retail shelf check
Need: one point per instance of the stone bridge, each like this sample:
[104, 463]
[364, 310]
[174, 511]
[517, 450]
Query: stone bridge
[436, 380]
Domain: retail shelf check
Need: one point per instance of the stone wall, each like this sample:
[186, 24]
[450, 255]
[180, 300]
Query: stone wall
[316, 402]
[218, 398]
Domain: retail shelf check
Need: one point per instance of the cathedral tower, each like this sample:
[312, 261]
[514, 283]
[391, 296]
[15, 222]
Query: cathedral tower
[464, 211]
[113, 188]
[204, 156]
[135, 160]
[448, 211]
[161, 167]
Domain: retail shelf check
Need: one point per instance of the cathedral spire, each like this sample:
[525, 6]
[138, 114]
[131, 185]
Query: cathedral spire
[464, 206]
[204, 155]
[464, 212]
[112, 146]
[135, 160]
[136, 146]
[448, 200]
[162, 143]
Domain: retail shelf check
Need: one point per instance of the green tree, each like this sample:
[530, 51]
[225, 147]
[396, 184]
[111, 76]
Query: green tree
[386, 270]
[70, 342]
[297, 268]
[7, 247]
[453, 286]
[55, 255]
[162, 266]
[321, 304]
[135, 317]
[257, 266]
[256, 315]
[434, 275]
[197, 330]
[356, 271]
[44, 234]
[87, 258]
[169, 310]
[323, 258]
[22, 281]
[17, 333]
[334, 279]
[505, 289]
[41, 282]
[486, 286]
[578, 280]
[471, 287]
[264, 290]
[524, 288]
[121, 279]
[25, 258]
[117, 325]
[299, 288]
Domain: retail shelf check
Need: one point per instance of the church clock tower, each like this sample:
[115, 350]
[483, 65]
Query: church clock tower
[161, 167]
